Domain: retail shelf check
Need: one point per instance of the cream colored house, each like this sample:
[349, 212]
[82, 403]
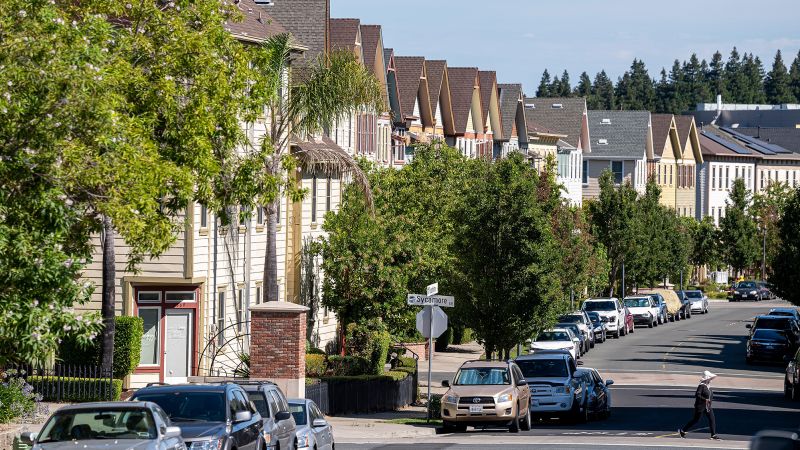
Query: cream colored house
[663, 168]
[687, 166]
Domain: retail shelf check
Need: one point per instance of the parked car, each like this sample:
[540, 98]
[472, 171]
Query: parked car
[661, 304]
[775, 440]
[583, 344]
[698, 301]
[781, 323]
[768, 345]
[313, 431]
[748, 290]
[278, 425]
[556, 339]
[139, 425]
[792, 312]
[555, 389]
[211, 416]
[611, 309]
[791, 389]
[599, 327]
[630, 325]
[487, 393]
[597, 396]
[686, 305]
[767, 290]
[644, 310]
[674, 306]
[584, 323]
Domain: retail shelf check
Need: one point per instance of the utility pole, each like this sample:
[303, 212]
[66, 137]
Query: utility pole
[622, 294]
[764, 255]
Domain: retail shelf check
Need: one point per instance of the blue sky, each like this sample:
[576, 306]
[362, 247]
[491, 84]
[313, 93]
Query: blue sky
[520, 38]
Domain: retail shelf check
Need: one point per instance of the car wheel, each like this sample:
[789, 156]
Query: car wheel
[514, 427]
[650, 325]
[787, 391]
[526, 422]
[795, 393]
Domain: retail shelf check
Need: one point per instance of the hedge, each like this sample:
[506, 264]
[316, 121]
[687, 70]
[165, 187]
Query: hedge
[370, 340]
[74, 389]
[392, 375]
[127, 348]
[316, 365]
[340, 366]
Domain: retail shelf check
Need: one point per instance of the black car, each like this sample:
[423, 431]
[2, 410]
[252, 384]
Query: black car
[768, 345]
[686, 305]
[598, 326]
[748, 290]
[211, 416]
[279, 424]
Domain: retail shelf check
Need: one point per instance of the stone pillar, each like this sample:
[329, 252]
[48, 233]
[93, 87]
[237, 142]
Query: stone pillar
[278, 346]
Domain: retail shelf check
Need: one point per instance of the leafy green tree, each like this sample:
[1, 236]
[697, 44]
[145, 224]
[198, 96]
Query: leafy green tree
[679, 240]
[786, 264]
[733, 78]
[603, 94]
[738, 230]
[635, 90]
[753, 75]
[584, 87]
[777, 84]
[506, 256]
[715, 79]
[544, 85]
[794, 77]
[706, 249]
[650, 229]
[768, 207]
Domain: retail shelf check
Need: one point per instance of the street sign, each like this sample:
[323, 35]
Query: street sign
[431, 300]
[436, 328]
[433, 289]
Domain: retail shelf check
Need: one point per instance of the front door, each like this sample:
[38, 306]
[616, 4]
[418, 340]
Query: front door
[178, 345]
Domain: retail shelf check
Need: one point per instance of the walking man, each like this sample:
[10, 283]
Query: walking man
[702, 404]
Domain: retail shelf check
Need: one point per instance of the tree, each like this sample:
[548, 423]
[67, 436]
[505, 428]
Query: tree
[635, 90]
[646, 264]
[777, 85]
[768, 207]
[786, 264]
[753, 76]
[794, 77]
[696, 89]
[733, 78]
[603, 93]
[544, 85]
[555, 87]
[738, 230]
[505, 256]
[706, 250]
[584, 87]
[715, 79]
[565, 88]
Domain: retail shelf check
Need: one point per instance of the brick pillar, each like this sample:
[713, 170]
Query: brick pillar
[278, 346]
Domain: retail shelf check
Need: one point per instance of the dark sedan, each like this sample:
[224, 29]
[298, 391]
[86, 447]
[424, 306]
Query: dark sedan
[768, 345]
[748, 290]
[598, 326]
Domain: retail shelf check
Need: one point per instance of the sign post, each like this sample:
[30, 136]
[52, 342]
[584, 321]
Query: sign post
[431, 322]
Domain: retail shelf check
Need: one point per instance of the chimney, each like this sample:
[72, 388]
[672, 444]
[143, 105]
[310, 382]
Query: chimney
[719, 102]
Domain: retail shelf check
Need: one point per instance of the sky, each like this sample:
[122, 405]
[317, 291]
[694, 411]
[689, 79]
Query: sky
[520, 38]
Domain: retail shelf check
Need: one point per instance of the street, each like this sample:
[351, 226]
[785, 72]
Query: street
[655, 373]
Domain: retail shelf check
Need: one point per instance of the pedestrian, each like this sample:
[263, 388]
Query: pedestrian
[702, 405]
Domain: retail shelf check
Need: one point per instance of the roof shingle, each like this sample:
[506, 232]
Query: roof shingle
[344, 34]
[435, 71]
[409, 71]
[509, 103]
[488, 83]
[567, 119]
[307, 20]
[462, 86]
[370, 38]
[256, 24]
[661, 124]
[625, 133]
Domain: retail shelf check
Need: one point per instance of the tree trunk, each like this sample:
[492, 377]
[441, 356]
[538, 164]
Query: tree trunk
[109, 281]
[271, 259]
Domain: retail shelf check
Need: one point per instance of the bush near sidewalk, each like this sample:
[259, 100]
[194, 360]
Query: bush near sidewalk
[127, 348]
[369, 340]
[16, 398]
[75, 389]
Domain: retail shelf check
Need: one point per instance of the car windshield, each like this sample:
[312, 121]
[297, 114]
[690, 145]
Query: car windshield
[298, 411]
[637, 302]
[543, 368]
[104, 423]
[546, 336]
[774, 335]
[191, 406]
[570, 318]
[478, 376]
[773, 323]
[598, 306]
[694, 294]
[571, 326]
[746, 285]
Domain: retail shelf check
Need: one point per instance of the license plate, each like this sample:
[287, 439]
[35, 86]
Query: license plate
[475, 408]
[535, 402]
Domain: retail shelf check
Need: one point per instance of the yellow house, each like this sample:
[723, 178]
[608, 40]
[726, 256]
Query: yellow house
[691, 159]
[666, 153]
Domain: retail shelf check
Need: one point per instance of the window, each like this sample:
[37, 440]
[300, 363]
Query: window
[658, 177]
[727, 178]
[242, 216]
[328, 195]
[736, 172]
[149, 297]
[278, 208]
[258, 294]
[203, 216]
[617, 168]
[239, 309]
[713, 178]
[585, 174]
[670, 175]
[178, 297]
[220, 316]
[260, 215]
[151, 338]
[314, 199]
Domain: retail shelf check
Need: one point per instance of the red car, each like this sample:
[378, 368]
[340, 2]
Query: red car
[629, 325]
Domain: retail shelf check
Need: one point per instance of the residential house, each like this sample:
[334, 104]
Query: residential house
[663, 168]
[441, 104]
[691, 158]
[372, 48]
[468, 136]
[400, 137]
[566, 116]
[512, 120]
[622, 142]
[412, 82]
[542, 145]
[490, 110]
[345, 35]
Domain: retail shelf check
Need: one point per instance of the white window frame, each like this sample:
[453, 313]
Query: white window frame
[194, 297]
[148, 302]
[158, 335]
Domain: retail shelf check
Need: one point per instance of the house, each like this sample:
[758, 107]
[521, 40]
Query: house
[566, 116]
[663, 168]
[691, 158]
[400, 137]
[622, 142]
[345, 35]
[441, 104]
[542, 145]
[415, 101]
[372, 48]
[468, 121]
[490, 110]
[512, 120]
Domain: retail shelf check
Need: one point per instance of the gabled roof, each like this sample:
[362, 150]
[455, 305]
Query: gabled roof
[439, 89]
[684, 124]
[307, 20]
[370, 39]
[346, 35]
[566, 119]
[391, 85]
[410, 73]
[256, 25]
[535, 128]
[488, 81]
[662, 124]
[510, 97]
[463, 82]
[626, 134]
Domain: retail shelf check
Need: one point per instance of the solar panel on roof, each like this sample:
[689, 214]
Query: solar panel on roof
[760, 149]
[770, 148]
[727, 144]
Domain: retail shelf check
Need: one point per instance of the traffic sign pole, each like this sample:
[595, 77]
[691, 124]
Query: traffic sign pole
[430, 356]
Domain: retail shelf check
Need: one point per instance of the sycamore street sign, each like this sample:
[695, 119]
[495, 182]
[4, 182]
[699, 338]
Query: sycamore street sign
[431, 300]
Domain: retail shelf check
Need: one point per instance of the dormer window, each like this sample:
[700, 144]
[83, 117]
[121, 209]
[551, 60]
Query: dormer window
[602, 141]
[557, 106]
[606, 121]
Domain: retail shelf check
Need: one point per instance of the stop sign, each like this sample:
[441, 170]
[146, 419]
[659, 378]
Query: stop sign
[424, 321]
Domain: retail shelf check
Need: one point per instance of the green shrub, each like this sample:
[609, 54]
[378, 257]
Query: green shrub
[16, 398]
[127, 348]
[443, 341]
[316, 365]
[75, 389]
[345, 366]
[369, 340]
[407, 362]
[435, 407]
[391, 375]
[316, 351]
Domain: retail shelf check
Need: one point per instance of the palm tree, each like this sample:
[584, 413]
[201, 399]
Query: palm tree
[331, 88]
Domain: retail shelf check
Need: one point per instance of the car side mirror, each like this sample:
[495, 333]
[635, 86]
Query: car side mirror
[580, 363]
[749, 326]
[172, 432]
[319, 423]
[242, 416]
[446, 383]
[27, 437]
[283, 415]
[609, 382]
[522, 383]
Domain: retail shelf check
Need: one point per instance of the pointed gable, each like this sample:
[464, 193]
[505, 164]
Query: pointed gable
[346, 35]
[620, 134]
[511, 109]
[413, 86]
[463, 88]
[665, 134]
[439, 88]
[490, 109]
[561, 114]
[687, 133]
[391, 86]
[372, 45]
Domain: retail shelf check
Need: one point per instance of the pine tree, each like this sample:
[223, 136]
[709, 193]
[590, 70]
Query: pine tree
[696, 87]
[664, 93]
[776, 85]
[566, 88]
[794, 78]
[555, 87]
[753, 76]
[544, 85]
[733, 78]
[636, 90]
[680, 90]
[715, 79]
[584, 87]
[603, 92]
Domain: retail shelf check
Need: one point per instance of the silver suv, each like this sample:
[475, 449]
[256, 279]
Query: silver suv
[556, 390]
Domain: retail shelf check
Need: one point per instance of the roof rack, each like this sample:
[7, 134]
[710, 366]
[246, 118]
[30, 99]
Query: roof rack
[157, 383]
[249, 382]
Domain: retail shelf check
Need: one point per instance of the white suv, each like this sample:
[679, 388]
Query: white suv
[644, 309]
[610, 309]
[556, 391]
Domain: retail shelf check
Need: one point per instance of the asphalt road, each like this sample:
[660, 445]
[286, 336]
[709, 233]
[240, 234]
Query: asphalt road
[652, 411]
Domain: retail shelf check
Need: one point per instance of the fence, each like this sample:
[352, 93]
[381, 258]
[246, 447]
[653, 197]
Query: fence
[318, 392]
[69, 382]
[362, 396]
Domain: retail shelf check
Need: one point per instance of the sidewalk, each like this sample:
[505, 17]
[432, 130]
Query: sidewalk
[445, 364]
